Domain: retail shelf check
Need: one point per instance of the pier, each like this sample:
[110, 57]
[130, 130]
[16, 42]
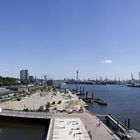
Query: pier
[122, 131]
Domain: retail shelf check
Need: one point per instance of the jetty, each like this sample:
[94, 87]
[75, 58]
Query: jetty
[122, 131]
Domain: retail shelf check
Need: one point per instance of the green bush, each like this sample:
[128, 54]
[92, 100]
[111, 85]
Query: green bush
[26, 110]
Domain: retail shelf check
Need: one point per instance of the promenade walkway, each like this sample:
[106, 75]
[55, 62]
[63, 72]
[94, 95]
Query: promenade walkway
[98, 131]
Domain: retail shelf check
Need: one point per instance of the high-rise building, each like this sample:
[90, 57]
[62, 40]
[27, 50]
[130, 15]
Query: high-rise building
[31, 78]
[24, 75]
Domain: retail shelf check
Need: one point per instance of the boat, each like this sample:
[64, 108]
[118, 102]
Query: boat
[100, 102]
[134, 85]
[88, 99]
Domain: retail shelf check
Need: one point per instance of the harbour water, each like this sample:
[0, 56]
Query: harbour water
[123, 102]
[22, 132]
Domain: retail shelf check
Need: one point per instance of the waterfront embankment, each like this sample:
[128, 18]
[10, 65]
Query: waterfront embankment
[58, 101]
[63, 104]
[94, 127]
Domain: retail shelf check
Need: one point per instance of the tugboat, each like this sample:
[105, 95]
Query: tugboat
[100, 102]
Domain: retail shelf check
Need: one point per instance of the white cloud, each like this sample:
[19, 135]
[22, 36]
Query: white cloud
[107, 61]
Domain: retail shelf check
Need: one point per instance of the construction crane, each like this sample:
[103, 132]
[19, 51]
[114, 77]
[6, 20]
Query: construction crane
[139, 76]
[132, 78]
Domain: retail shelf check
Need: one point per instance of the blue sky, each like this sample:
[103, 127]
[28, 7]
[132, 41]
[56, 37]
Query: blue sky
[57, 37]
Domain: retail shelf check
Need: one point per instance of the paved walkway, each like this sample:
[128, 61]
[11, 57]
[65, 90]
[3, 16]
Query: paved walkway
[91, 122]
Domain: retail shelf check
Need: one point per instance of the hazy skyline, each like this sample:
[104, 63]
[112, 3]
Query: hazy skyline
[59, 37]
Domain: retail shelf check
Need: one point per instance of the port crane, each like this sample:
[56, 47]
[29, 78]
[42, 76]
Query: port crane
[139, 76]
[132, 78]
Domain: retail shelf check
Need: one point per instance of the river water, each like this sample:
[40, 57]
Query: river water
[123, 102]
[21, 132]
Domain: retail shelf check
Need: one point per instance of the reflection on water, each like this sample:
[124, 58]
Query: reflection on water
[22, 132]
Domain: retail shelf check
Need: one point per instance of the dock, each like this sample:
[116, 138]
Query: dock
[117, 123]
[122, 131]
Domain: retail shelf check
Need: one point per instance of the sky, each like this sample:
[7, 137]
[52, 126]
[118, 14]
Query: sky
[59, 37]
